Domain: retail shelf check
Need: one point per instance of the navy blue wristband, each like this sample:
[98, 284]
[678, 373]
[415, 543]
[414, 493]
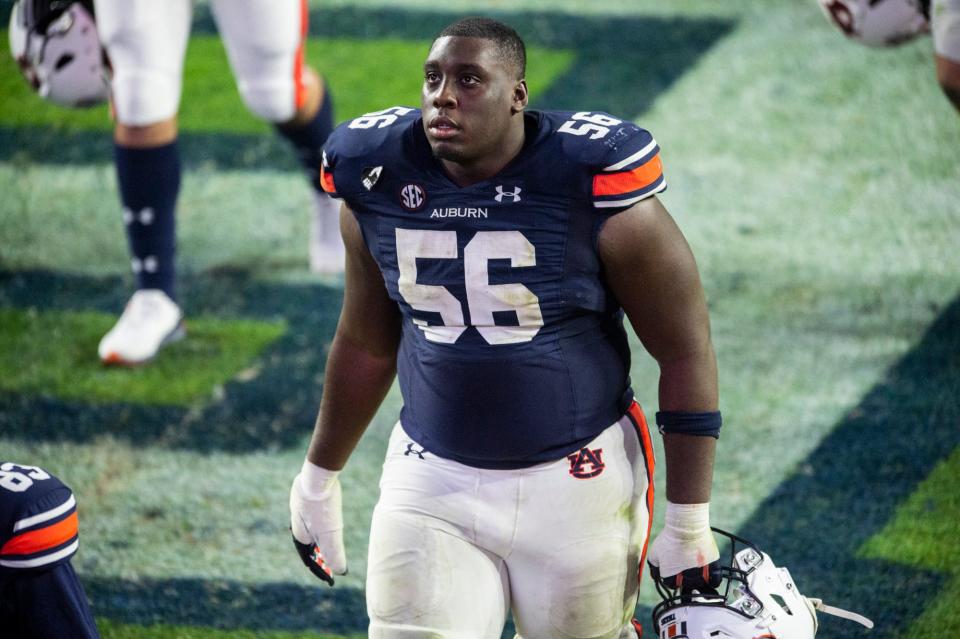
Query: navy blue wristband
[705, 424]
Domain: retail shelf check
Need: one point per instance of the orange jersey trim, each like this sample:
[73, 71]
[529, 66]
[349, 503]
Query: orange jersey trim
[326, 181]
[628, 181]
[43, 538]
[299, 89]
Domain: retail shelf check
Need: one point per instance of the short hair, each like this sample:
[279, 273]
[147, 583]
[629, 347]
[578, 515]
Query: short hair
[507, 40]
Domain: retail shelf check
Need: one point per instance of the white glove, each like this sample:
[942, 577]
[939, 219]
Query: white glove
[685, 554]
[316, 521]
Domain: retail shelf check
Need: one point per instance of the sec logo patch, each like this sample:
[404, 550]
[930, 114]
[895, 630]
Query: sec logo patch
[412, 197]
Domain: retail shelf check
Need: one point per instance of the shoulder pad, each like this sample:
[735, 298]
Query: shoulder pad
[38, 518]
[622, 158]
[363, 139]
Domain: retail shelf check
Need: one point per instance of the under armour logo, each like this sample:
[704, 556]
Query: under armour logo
[413, 451]
[515, 194]
[412, 197]
[144, 216]
[586, 463]
[149, 264]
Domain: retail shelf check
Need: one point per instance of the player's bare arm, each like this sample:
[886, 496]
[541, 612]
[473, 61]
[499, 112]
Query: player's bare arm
[360, 369]
[363, 356]
[948, 75]
[650, 268]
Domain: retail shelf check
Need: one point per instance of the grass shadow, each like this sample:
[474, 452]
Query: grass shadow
[28, 145]
[623, 62]
[851, 484]
[228, 605]
[274, 410]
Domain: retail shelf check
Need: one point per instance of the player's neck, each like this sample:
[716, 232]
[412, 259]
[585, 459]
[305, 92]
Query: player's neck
[486, 167]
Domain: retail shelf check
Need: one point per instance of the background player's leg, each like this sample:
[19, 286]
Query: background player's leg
[265, 42]
[146, 42]
[574, 568]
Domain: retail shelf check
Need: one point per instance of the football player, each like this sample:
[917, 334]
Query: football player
[40, 595]
[882, 23]
[492, 254]
[145, 41]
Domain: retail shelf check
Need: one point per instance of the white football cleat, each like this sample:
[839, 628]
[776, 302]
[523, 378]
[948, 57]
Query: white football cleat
[326, 245]
[150, 320]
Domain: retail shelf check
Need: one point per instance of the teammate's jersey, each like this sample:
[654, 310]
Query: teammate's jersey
[513, 350]
[38, 520]
[40, 594]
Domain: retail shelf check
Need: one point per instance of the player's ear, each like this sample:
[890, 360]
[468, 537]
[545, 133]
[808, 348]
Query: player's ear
[520, 96]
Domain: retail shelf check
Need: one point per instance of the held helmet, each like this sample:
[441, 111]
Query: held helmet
[56, 45]
[879, 23]
[756, 599]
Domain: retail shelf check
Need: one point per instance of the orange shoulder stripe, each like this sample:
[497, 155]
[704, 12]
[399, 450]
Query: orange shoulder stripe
[628, 181]
[42, 538]
[326, 181]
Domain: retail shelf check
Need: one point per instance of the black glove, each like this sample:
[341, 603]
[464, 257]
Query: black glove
[313, 559]
[705, 579]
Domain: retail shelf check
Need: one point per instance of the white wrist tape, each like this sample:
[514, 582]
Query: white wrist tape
[687, 522]
[316, 481]
[686, 540]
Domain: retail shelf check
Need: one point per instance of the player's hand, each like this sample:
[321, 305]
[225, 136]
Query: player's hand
[684, 555]
[316, 521]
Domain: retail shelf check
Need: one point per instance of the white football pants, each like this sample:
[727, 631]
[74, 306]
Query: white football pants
[146, 41]
[453, 547]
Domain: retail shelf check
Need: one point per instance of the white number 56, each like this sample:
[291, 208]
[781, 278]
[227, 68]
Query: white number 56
[585, 122]
[379, 119]
[483, 298]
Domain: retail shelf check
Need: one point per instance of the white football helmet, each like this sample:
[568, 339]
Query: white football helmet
[879, 23]
[756, 599]
[56, 45]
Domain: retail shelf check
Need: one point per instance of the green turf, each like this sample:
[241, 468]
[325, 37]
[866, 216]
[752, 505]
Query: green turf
[925, 533]
[817, 182]
[210, 102]
[55, 353]
[113, 630]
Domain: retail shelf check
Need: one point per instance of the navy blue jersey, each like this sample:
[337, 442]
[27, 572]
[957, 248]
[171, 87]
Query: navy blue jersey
[513, 350]
[40, 595]
[38, 519]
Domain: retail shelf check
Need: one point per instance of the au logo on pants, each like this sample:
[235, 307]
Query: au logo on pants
[586, 463]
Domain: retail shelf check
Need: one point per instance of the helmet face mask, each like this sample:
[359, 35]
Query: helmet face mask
[756, 599]
[878, 23]
[56, 45]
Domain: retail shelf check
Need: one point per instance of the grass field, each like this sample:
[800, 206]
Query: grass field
[818, 183]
